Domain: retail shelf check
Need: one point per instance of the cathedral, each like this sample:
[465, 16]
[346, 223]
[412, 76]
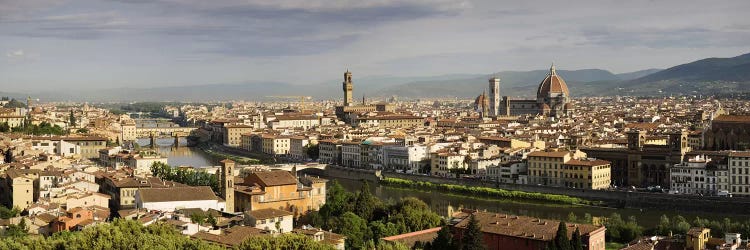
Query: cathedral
[552, 99]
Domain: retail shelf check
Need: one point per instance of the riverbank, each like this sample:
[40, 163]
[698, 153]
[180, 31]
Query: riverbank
[486, 192]
[236, 158]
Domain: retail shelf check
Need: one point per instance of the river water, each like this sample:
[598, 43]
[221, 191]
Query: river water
[446, 204]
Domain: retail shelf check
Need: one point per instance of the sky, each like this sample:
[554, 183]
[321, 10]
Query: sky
[49, 44]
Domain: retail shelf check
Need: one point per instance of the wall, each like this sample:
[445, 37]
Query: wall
[612, 198]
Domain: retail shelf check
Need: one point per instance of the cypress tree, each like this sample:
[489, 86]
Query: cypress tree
[472, 239]
[576, 241]
[561, 239]
[444, 239]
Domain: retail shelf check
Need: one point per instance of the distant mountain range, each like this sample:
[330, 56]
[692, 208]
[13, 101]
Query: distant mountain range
[706, 76]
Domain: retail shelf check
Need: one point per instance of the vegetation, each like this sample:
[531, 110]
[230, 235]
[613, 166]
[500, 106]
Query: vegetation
[364, 218]
[4, 127]
[72, 119]
[624, 231]
[43, 128]
[472, 237]
[185, 176]
[312, 151]
[283, 242]
[7, 213]
[13, 103]
[483, 191]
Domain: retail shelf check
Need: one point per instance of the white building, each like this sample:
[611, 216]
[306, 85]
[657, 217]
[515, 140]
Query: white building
[739, 173]
[698, 175]
[409, 159]
[173, 198]
[270, 219]
[56, 147]
[351, 155]
[508, 172]
[443, 163]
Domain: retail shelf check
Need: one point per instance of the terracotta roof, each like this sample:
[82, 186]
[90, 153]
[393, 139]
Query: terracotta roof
[267, 213]
[733, 118]
[272, 178]
[177, 194]
[409, 239]
[589, 163]
[549, 154]
[522, 226]
[739, 154]
[552, 84]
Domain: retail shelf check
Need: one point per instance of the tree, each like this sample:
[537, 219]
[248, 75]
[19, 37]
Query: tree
[355, 228]
[366, 203]
[472, 237]
[444, 239]
[283, 242]
[312, 151]
[576, 241]
[561, 238]
[72, 119]
[572, 217]
[4, 127]
[664, 226]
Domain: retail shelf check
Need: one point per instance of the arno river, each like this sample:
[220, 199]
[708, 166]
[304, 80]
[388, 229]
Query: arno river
[446, 203]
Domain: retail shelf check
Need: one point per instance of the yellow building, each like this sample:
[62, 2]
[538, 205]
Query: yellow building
[19, 188]
[587, 174]
[442, 163]
[128, 131]
[275, 144]
[233, 134]
[392, 121]
[546, 167]
[697, 237]
[280, 190]
[12, 120]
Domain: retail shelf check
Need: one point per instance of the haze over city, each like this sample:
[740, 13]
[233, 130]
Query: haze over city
[109, 44]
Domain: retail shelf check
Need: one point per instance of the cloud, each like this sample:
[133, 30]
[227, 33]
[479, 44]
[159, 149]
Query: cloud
[15, 54]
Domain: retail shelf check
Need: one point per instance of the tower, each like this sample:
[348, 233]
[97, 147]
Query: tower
[28, 102]
[636, 139]
[226, 182]
[348, 87]
[494, 96]
[678, 141]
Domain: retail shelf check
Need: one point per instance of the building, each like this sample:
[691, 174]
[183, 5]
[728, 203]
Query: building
[552, 98]
[348, 110]
[643, 164]
[348, 87]
[329, 152]
[494, 98]
[391, 121]
[351, 154]
[279, 190]
[170, 199]
[89, 145]
[503, 231]
[443, 164]
[587, 174]
[13, 121]
[739, 173]
[226, 184]
[728, 132]
[699, 175]
[61, 148]
[336, 240]
[128, 131]
[546, 167]
[231, 237]
[298, 147]
[232, 134]
[270, 219]
[275, 144]
[123, 188]
[408, 159]
[20, 188]
[294, 121]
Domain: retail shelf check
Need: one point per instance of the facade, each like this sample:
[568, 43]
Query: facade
[514, 172]
[275, 144]
[642, 164]
[61, 148]
[294, 121]
[329, 152]
[270, 219]
[391, 121]
[739, 173]
[20, 187]
[128, 131]
[170, 199]
[587, 174]
[728, 132]
[226, 184]
[351, 154]
[89, 145]
[348, 87]
[297, 146]
[442, 163]
[552, 98]
[13, 121]
[494, 98]
[503, 231]
[232, 134]
[279, 190]
[408, 159]
[546, 168]
[699, 175]
[123, 188]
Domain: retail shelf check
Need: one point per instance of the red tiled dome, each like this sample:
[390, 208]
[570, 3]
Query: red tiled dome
[552, 84]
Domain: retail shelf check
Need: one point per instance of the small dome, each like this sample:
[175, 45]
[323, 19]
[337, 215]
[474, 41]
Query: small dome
[552, 84]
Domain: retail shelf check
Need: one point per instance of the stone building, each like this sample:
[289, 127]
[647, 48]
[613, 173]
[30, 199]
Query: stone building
[728, 132]
[552, 99]
[280, 190]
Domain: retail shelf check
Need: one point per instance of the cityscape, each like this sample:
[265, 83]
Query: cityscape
[253, 125]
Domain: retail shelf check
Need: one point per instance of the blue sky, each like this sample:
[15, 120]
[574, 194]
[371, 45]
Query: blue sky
[49, 44]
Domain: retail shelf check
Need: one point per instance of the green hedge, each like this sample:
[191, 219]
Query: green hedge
[483, 191]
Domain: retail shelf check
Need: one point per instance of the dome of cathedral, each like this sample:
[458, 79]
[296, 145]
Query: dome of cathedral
[552, 84]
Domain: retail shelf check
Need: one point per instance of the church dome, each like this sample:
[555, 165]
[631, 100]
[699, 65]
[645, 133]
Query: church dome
[480, 101]
[552, 84]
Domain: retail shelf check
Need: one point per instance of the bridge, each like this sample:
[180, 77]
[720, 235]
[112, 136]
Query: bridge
[163, 131]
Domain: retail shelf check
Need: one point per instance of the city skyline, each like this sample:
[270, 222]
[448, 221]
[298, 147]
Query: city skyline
[179, 43]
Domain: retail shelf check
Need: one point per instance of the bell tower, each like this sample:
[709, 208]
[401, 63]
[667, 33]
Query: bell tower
[226, 182]
[348, 87]
[494, 97]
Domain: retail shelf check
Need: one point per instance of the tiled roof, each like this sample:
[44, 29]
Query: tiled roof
[267, 213]
[521, 226]
[271, 178]
[177, 194]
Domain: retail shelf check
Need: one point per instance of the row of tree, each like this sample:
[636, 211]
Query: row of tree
[364, 218]
[43, 128]
[185, 176]
[624, 230]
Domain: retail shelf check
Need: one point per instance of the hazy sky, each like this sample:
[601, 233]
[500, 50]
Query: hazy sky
[48, 44]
